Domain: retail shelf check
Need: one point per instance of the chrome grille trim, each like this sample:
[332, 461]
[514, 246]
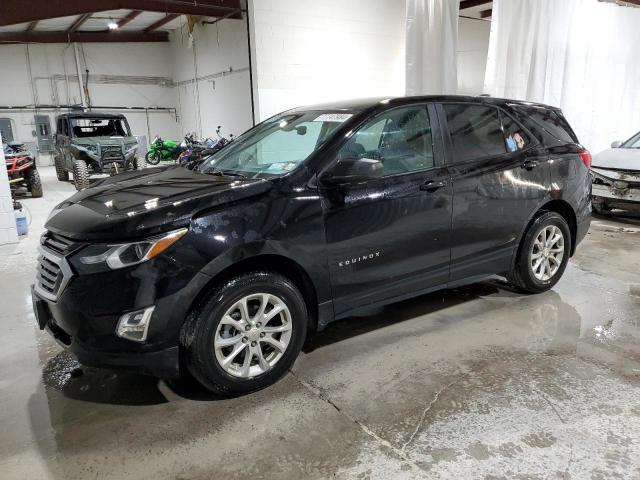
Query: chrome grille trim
[53, 274]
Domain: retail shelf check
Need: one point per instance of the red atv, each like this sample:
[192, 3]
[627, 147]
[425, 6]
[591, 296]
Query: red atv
[21, 169]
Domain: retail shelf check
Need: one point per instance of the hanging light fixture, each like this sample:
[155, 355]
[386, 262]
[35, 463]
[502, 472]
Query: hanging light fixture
[112, 24]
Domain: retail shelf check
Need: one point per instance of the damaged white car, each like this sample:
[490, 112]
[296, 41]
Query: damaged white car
[616, 177]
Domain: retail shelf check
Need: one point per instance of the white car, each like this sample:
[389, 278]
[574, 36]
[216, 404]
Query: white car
[616, 177]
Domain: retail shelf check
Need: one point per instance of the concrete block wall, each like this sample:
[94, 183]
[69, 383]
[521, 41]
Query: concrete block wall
[223, 100]
[473, 47]
[8, 231]
[309, 51]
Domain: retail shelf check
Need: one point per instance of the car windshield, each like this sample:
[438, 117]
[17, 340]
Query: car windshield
[277, 146]
[633, 142]
[99, 127]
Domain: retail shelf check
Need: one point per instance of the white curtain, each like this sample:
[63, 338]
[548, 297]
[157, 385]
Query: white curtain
[432, 38]
[580, 55]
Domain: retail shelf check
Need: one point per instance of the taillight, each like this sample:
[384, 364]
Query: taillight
[585, 156]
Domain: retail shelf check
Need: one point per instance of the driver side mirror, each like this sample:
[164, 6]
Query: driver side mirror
[616, 144]
[353, 170]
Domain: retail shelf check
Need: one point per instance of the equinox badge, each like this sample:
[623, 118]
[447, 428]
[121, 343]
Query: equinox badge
[362, 258]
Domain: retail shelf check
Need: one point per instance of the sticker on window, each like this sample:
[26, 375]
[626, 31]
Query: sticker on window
[333, 117]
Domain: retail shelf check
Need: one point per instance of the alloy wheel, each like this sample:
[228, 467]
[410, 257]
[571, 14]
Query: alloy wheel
[253, 335]
[547, 253]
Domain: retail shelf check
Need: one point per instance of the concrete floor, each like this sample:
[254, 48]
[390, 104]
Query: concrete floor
[477, 382]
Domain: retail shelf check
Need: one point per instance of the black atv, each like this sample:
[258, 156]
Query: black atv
[21, 169]
[90, 143]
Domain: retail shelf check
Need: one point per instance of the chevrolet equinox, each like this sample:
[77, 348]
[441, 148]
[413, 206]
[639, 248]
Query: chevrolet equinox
[223, 270]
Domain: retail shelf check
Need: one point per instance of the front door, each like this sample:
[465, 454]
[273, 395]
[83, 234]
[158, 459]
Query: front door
[43, 133]
[499, 178]
[388, 237]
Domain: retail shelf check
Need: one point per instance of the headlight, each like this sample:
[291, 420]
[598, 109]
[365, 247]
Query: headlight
[128, 254]
[90, 148]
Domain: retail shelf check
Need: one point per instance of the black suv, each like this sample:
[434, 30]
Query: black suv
[311, 215]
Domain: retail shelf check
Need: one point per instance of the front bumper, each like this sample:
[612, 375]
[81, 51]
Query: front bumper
[82, 313]
[624, 194]
[163, 363]
[611, 195]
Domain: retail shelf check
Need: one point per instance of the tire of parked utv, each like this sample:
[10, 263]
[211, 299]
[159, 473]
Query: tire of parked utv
[152, 158]
[139, 163]
[34, 183]
[80, 174]
[61, 173]
[543, 254]
[228, 326]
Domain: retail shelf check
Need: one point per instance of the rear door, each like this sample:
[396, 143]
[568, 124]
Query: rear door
[388, 237]
[499, 176]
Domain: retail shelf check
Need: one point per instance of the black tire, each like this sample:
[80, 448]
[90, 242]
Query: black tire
[199, 331]
[61, 173]
[34, 183]
[139, 163]
[601, 208]
[152, 157]
[80, 174]
[522, 275]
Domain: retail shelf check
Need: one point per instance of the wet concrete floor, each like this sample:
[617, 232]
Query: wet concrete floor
[477, 382]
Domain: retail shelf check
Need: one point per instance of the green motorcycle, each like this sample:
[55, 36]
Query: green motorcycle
[160, 149]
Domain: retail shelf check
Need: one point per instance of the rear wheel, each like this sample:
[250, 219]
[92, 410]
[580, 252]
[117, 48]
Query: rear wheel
[61, 173]
[80, 174]
[139, 163]
[152, 157]
[247, 334]
[34, 183]
[543, 254]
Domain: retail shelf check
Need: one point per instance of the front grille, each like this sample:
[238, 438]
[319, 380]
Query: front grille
[49, 275]
[112, 152]
[57, 243]
[53, 272]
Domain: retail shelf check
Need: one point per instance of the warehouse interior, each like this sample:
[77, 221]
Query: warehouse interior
[474, 381]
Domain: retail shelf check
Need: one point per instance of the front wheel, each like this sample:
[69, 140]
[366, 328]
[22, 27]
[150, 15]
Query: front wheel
[61, 173]
[153, 157]
[543, 254]
[246, 335]
[80, 174]
[34, 183]
[139, 163]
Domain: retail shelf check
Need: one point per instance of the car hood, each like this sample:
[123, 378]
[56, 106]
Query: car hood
[618, 158]
[141, 203]
[103, 140]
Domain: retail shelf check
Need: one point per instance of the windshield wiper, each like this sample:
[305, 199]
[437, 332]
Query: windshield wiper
[226, 173]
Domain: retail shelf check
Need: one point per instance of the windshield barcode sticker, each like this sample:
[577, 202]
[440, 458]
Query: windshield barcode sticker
[333, 117]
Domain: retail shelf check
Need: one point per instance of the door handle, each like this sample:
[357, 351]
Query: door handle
[529, 164]
[432, 185]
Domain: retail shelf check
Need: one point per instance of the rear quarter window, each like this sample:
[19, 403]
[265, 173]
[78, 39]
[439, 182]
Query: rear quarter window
[548, 125]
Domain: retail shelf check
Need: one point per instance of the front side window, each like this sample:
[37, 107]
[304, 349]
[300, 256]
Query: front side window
[400, 139]
[475, 131]
[276, 146]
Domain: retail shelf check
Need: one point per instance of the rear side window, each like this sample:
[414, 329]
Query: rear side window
[475, 131]
[514, 135]
[551, 122]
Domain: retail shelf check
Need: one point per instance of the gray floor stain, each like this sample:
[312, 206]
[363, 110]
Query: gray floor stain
[477, 382]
